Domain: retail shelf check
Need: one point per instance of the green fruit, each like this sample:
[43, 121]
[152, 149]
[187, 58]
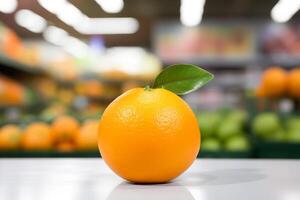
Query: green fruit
[293, 123]
[208, 123]
[211, 144]
[239, 116]
[30, 96]
[278, 136]
[266, 124]
[228, 129]
[237, 143]
[293, 136]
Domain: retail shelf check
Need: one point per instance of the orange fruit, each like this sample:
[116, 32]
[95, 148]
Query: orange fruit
[274, 81]
[10, 137]
[37, 136]
[65, 147]
[93, 88]
[148, 135]
[15, 94]
[87, 137]
[294, 83]
[65, 128]
[11, 92]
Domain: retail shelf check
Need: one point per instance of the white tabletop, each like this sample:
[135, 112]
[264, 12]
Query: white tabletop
[91, 179]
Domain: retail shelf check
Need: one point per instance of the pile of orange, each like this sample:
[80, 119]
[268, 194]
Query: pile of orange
[277, 82]
[96, 89]
[37, 136]
[87, 137]
[91, 88]
[11, 92]
[10, 137]
[69, 136]
[65, 134]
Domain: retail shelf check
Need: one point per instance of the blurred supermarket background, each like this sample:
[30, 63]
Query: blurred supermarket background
[63, 61]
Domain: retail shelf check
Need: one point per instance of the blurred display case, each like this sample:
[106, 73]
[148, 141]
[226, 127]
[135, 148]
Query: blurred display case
[213, 43]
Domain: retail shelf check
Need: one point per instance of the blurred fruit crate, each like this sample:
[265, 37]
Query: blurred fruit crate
[224, 134]
[275, 129]
[268, 149]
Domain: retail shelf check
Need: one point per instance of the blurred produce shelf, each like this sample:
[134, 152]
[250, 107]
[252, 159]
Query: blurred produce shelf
[276, 135]
[48, 154]
[228, 43]
[82, 91]
[8, 64]
[83, 154]
[274, 114]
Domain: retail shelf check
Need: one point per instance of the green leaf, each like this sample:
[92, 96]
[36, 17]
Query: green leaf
[182, 78]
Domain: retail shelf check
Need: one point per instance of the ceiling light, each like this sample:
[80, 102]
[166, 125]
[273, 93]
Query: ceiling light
[284, 10]
[53, 6]
[70, 15]
[64, 10]
[55, 35]
[191, 12]
[8, 6]
[124, 25]
[30, 20]
[111, 6]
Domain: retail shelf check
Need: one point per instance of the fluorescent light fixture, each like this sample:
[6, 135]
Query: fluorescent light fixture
[121, 25]
[55, 35]
[70, 15]
[53, 6]
[111, 6]
[30, 20]
[64, 10]
[191, 12]
[284, 10]
[60, 37]
[8, 6]
[75, 47]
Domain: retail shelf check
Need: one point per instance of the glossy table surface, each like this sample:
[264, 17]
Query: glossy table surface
[91, 179]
